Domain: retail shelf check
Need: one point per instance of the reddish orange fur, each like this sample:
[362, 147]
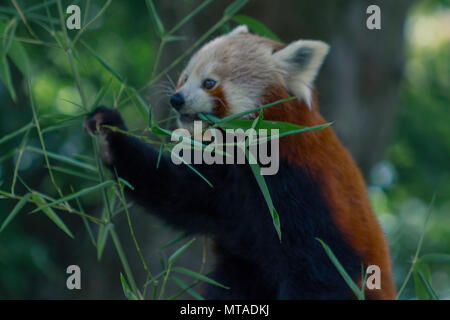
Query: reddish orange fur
[221, 108]
[327, 160]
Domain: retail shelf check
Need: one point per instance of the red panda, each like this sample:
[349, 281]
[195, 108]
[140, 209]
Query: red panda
[319, 191]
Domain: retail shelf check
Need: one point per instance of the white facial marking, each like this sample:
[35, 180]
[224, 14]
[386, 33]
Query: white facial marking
[244, 66]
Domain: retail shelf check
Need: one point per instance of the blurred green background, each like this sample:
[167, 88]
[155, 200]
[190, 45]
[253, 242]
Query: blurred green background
[387, 91]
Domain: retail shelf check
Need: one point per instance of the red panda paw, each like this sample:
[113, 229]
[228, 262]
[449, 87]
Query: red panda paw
[101, 117]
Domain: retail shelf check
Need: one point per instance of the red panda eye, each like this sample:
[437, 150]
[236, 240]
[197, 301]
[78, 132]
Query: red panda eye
[208, 84]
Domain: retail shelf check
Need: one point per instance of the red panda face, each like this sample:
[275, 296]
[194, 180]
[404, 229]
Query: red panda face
[230, 74]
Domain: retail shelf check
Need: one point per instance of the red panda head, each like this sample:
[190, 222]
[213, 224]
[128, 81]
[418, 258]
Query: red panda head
[230, 74]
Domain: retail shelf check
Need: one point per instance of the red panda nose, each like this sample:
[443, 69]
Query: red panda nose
[177, 101]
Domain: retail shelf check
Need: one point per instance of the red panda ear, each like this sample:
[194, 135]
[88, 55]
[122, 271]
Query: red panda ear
[300, 61]
[238, 30]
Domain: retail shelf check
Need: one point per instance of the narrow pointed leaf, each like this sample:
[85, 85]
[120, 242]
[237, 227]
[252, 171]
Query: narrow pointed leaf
[126, 289]
[426, 284]
[179, 251]
[256, 26]
[104, 63]
[198, 276]
[159, 27]
[233, 8]
[51, 214]
[435, 257]
[78, 194]
[15, 211]
[186, 288]
[352, 285]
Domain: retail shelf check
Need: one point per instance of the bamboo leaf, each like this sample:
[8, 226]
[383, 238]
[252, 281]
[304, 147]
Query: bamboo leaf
[5, 76]
[63, 159]
[15, 211]
[8, 35]
[140, 104]
[175, 38]
[256, 170]
[193, 169]
[198, 276]
[51, 214]
[100, 95]
[185, 288]
[244, 113]
[421, 289]
[179, 251]
[171, 242]
[435, 257]
[74, 173]
[126, 289]
[426, 284]
[18, 55]
[104, 63]
[16, 133]
[75, 195]
[104, 229]
[190, 16]
[352, 285]
[85, 222]
[256, 26]
[159, 27]
[233, 8]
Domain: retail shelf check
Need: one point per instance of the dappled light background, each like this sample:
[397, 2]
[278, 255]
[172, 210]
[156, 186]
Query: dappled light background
[387, 91]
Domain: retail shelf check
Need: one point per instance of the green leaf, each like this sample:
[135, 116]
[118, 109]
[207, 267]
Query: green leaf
[104, 63]
[159, 27]
[161, 132]
[75, 173]
[265, 191]
[64, 159]
[125, 182]
[194, 12]
[15, 211]
[244, 113]
[186, 288]
[18, 55]
[101, 239]
[285, 128]
[100, 95]
[16, 133]
[179, 251]
[51, 214]
[233, 8]
[126, 289]
[195, 170]
[104, 229]
[171, 242]
[8, 35]
[435, 257]
[208, 117]
[5, 76]
[140, 104]
[78, 194]
[198, 276]
[352, 285]
[256, 26]
[175, 38]
[421, 290]
[426, 284]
